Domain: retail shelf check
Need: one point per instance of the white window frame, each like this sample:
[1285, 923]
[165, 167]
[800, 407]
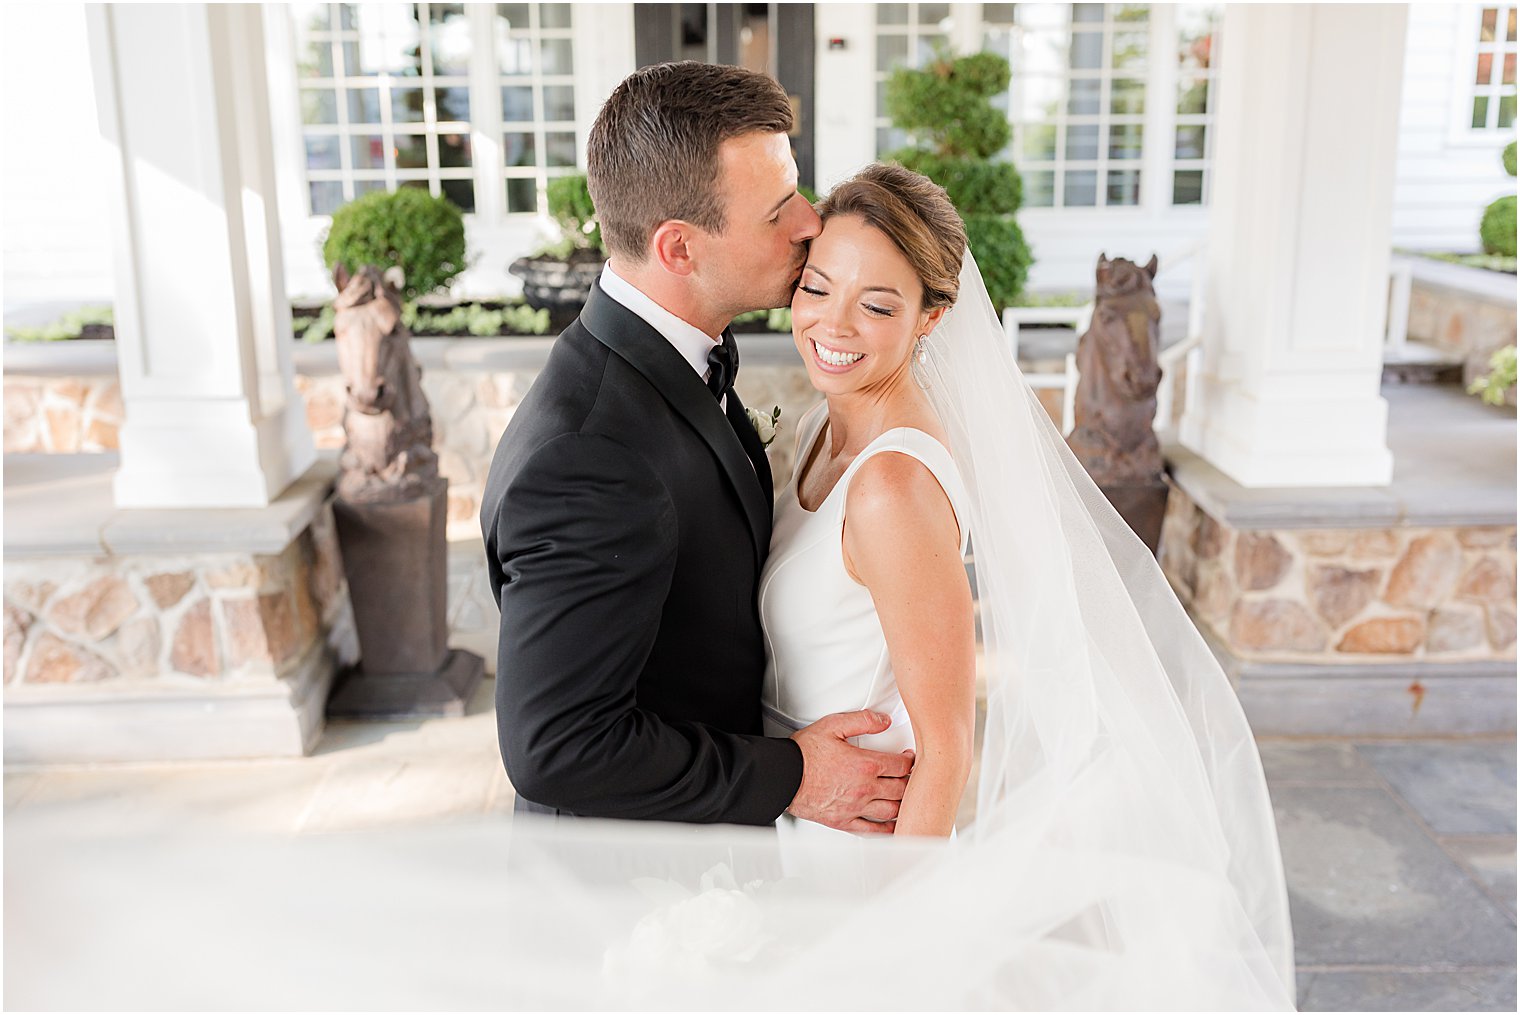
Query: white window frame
[485, 128]
[429, 129]
[1157, 163]
[1465, 71]
[914, 33]
[1104, 120]
[1167, 28]
[540, 172]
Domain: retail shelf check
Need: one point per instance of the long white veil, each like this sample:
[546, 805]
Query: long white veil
[1111, 729]
[1123, 855]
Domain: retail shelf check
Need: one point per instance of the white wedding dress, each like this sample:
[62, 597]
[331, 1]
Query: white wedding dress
[825, 648]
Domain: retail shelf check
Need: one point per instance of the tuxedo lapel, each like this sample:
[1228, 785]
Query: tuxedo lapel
[647, 351]
[738, 418]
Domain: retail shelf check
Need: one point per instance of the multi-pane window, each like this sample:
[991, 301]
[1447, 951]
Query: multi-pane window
[907, 35]
[536, 68]
[385, 100]
[1077, 100]
[1493, 93]
[1197, 42]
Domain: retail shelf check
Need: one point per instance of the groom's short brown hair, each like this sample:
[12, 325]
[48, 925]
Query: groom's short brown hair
[652, 154]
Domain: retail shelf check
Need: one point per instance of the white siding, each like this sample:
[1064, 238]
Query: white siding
[1444, 179]
[57, 239]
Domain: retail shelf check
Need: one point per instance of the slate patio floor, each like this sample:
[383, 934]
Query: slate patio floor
[1400, 855]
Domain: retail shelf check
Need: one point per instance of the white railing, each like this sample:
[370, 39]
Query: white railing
[1014, 318]
[1400, 283]
[1079, 319]
[1072, 319]
[1190, 352]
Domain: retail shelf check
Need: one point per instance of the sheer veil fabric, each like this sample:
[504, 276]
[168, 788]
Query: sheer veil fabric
[1123, 855]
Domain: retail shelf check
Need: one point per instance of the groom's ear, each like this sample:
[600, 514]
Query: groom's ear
[670, 246]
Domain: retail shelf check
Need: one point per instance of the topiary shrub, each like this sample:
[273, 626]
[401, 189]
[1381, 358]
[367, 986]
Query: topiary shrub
[1497, 229]
[408, 227]
[946, 108]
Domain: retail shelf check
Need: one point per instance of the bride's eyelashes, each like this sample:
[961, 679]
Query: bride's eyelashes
[878, 311]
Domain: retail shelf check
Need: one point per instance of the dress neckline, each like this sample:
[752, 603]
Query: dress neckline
[796, 483]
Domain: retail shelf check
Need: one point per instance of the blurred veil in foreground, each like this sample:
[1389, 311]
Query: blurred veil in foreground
[1123, 855]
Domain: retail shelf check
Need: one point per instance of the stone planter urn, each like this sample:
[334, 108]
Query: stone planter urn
[1114, 438]
[559, 285]
[391, 513]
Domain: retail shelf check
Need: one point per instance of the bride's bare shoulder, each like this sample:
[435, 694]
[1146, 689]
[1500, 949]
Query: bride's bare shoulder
[895, 495]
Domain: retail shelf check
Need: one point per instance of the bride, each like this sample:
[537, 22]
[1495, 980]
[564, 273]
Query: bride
[1123, 853]
[864, 599]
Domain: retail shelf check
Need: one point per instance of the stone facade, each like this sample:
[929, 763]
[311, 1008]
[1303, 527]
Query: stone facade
[471, 409]
[1465, 327]
[61, 415]
[140, 623]
[1344, 595]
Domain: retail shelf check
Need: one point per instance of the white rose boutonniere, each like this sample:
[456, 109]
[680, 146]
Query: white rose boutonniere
[765, 426]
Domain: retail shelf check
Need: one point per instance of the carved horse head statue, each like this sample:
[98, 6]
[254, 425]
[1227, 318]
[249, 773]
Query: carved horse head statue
[389, 451]
[1116, 395]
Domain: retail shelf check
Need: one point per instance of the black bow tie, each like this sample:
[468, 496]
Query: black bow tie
[722, 364]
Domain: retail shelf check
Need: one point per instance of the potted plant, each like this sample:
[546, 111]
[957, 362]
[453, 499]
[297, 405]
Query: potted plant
[409, 229]
[559, 277]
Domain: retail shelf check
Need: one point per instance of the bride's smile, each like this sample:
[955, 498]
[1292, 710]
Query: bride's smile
[856, 312]
[835, 360]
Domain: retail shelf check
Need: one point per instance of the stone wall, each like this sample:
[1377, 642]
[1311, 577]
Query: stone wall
[61, 415]
[1461, 321]
[1344, 595]
[153, 622]
[471, 409]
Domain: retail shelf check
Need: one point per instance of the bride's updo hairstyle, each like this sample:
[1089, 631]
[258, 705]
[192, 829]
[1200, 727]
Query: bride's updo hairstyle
[916, 215]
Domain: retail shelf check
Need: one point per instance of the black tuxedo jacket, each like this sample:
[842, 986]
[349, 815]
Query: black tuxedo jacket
[626, 522]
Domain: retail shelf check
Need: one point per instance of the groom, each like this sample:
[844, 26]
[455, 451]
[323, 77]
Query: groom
[627, 513]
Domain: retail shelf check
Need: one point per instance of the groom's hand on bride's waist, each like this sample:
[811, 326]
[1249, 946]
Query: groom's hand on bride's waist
[849, 787]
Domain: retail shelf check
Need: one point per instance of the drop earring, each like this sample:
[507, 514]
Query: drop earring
[921, 358]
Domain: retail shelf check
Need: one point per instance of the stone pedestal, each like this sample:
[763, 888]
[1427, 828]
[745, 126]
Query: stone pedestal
[1143, 508]
[1363, 612]
[165, 635]
[396, 558]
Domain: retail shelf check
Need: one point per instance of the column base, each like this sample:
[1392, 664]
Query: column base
[1338, 441]
[190, 454]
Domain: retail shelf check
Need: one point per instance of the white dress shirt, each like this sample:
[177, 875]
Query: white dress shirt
[688, 340]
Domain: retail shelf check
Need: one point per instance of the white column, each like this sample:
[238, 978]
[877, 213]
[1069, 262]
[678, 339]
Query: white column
[203, 326]
[1299, 225]
[604, 56]
[844, 92]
